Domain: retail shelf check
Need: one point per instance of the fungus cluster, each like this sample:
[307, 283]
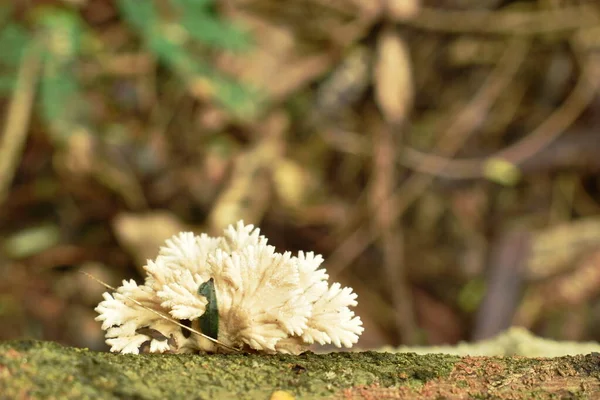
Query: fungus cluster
[236, 289]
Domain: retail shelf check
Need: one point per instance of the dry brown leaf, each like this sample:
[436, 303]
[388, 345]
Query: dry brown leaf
[393, 77]
[274, 65]
[142, 234]
[370, 9]
[246, 197]
[401, 10]
[291, 183]
[467, 51]
[556, 247]
[248, 191]
[84, 155]
[130, 64]
[567, 291]
[297, 73]
[78, 159]
[577, 287]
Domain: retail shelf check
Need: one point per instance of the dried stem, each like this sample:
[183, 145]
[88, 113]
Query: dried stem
[511, 23]
[18, 115]
[552, 127]
[451, 141]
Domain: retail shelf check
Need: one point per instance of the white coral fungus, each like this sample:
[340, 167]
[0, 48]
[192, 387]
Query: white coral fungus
[267, 301]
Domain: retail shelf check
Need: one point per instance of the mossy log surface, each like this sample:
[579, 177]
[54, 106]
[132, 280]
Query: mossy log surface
[32, 369]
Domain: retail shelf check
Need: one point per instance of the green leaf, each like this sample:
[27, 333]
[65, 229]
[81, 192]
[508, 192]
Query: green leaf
[6, 13]
[140, 14]
[63, 30]
[7, 83]
[168, 41]
[208, 30]
[237, 98]
[170, 52]
[203, 24]
[13, 39]
[209, 321]
[31, 241]
[60, 93]
[191, 6]
[243, 100]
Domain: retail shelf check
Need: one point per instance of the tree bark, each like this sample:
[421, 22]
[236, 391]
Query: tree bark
[31, 369]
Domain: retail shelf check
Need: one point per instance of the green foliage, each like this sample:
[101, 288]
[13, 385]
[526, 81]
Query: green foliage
[471, 295]
[172, 43]
[193, 6]
[60, 89]
[177, 42]
[209, 321]
[202, 24]
[13, 39]
[140, 14]
[208, 29]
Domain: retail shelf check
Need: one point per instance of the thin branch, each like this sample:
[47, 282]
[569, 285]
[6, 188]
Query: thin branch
[18, 116]
[519, 23]
[382, 184]
[451, 141]
[562, 118]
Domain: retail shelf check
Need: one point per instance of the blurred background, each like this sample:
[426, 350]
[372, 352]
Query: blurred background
[443, 155]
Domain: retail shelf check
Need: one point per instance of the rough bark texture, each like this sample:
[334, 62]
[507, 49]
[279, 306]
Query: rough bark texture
[30, 369]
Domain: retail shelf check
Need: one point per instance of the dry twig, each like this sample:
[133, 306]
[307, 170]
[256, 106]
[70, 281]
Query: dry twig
[17, 118]
[450, 142]
[510, 23]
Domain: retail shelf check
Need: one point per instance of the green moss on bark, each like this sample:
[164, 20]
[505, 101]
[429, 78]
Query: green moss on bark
[43, 370]
[30, 369]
